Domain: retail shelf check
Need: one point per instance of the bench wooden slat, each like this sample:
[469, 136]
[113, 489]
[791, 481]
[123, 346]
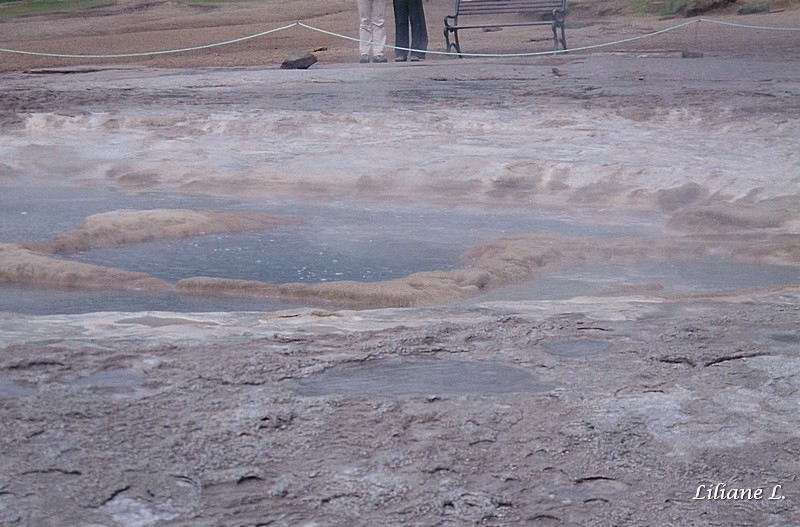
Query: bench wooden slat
[502, 9]
[530, 5]
[555, 4]
[519, 24]
[519, 5]
[466, 7]
[549, 12]
[508, 12]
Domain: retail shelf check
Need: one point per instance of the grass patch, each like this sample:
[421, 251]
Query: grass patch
[752, 9]
[12, 8]
[671, 7]
[212, 2]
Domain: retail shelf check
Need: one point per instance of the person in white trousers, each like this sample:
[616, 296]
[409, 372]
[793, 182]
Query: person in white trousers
[372, 31]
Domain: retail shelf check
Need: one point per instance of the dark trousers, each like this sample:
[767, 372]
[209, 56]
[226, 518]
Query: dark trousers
[410, 12]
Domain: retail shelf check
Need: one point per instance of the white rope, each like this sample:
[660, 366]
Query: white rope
[353, 39]
[747, 26]
[148, 53]
[505, 55]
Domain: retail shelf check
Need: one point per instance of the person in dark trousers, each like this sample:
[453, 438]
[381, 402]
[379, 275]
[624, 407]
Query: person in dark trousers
[410, 12]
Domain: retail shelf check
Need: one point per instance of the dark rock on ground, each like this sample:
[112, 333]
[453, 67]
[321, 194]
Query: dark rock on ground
[298, 60]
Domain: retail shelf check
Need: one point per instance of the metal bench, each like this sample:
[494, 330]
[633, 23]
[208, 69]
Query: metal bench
[501, 13]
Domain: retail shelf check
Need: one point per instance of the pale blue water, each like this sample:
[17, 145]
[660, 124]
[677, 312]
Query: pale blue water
[678, 276]
[427, 376]
[336, 242]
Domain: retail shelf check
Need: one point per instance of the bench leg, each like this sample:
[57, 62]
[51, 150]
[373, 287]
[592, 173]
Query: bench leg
[457, 45]
[450, 29]
[563, 40]
[452, 46]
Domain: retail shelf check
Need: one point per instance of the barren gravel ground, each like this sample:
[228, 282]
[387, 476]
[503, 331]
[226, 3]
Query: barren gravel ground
[483, 403]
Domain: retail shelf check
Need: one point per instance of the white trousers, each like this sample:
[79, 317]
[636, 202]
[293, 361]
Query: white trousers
[372, 31]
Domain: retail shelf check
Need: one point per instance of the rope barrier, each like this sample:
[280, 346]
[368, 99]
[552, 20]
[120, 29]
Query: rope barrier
[747, 26]
[150, 53]
[512, 55]
[431, 52]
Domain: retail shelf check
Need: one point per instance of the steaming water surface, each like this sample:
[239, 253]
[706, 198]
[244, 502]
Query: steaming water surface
[335, 242]
[41, 301]
[677, 276]
[503, 133]
[37, 214]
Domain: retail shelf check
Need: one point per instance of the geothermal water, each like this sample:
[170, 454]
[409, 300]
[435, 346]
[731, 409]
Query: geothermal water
[672, 277]
[334, 242]
[425, 377]
[406, 177]
[339, 243]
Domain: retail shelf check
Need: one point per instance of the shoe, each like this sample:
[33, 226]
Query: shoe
[379, 58]
[364, 59]
[400, 58]
[415, 58]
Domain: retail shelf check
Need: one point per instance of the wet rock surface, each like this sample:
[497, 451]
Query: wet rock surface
[19, 265]
[245, 419]
[613, 398]
[123, 227]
